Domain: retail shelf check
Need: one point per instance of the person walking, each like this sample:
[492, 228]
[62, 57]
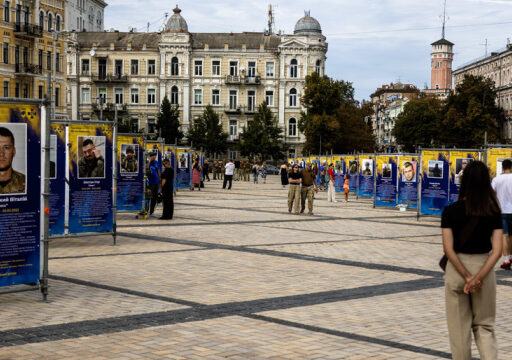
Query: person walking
[263, 172]
[284, 174]
[228, 174]
[215, 169]
[222, 167]
[196, 176]
[206, 169]
[346, 187]
[331, 189]
[153, 173]
[308, 187]
[236, 174]
[472, 242]
[255, 171]
[295, 179]
[167, 190]
[247, 166]
[502, 184]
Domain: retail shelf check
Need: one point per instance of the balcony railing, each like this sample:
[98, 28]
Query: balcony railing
[109, 78]
[254, 80]
[28, 30]
[109, 107]
[233, 137]
[29, 69]
[233, 109]
[232, 79]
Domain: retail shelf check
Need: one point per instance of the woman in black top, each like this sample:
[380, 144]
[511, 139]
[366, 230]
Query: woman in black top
[472, 231]
[167, 191]
[284, 174]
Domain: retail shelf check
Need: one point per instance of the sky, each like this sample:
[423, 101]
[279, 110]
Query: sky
[371, 42]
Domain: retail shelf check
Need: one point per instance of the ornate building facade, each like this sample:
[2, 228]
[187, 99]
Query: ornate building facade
[233, 72]
[85, 15]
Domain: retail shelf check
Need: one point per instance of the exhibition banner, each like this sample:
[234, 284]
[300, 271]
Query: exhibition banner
[339, 172]
[435, 175]
[90, 178]
[301, 162]
[183, 176]
[366, 175]
[57, 201]
[130, 170]
[325, 160]
[494, 159]
[458, 161]
[20, 193]
[152, 146]
[170, 153]
[352, 170]
[386, 180]
[291, 161]
[408, 181]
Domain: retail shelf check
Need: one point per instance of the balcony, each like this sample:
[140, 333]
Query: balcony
[232, 79]
[109, 78]
[252, 80]
[28, 69]
[250, 109]
[233, 109]
[28, 30]
[109, 107]
[233, 137]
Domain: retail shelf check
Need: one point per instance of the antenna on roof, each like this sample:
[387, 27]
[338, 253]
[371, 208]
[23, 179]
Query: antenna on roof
[271, 20]
[444, 19]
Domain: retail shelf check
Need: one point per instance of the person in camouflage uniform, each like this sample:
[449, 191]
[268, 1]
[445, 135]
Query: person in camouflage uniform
[91, 165]
[11, 181]
[129, 164]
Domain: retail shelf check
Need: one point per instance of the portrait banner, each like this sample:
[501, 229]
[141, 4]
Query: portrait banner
[291, 161]
[366, 175]
[386, 180]
[183, 176]
[90, 178]
[57, 179]
[339, 172]
[301, 162]
[20, 194]
[130, 172]
[352, 170]
[494, 159]
[157, 147]
[458, 161]
[435, 178]
[408, 181]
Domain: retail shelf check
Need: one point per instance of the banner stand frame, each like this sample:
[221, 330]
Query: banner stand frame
[374, 179]
[143, 182]
[418, 186]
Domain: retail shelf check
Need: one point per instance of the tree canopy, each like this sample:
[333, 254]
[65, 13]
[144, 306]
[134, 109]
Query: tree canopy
[168, 123]
[206, 133]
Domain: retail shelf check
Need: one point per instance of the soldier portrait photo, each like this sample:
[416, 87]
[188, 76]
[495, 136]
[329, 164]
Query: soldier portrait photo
[435, 169]
[13, 159]
[367, 167]
[409, 171]
[91, 157]
[386, 171]
[183, 160]
[129, 158]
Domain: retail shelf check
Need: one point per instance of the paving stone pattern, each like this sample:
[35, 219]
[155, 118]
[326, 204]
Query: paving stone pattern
[235, 276]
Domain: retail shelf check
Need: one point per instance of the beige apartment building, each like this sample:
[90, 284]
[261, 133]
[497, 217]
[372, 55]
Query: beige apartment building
[28, 28]
[233, 72]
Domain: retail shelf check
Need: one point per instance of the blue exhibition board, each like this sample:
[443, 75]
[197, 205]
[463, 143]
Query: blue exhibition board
[339, 173]
[408, 183]
[130, 178]
[183, 173]
[57, 179]
[366, 175]
[20, 198]
[386, 181]
[434, 181]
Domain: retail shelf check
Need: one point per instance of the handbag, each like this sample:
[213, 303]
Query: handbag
[470, 227]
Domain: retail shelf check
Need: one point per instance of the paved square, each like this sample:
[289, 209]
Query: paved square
[236, 276]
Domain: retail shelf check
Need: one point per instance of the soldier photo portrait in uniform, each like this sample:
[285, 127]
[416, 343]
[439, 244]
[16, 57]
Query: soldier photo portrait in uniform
[183, 160]
[435, 169]
[409, 171]
[460, 165]
[367, 167]
[53, 156]
[129, 158]
[13, 159]
[91, 157]
[386, 171]
[338, 167]
[352, 167]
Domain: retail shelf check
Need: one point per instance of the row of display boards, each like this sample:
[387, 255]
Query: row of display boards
[427, 181]
[90, 173]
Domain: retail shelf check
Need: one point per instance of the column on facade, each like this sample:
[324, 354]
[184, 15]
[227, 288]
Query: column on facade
[281, 102]
[186, 103]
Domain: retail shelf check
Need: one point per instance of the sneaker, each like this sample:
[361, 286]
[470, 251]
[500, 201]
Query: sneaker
[505, 265]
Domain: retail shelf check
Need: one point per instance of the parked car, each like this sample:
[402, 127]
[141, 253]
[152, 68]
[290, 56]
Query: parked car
[272, 170]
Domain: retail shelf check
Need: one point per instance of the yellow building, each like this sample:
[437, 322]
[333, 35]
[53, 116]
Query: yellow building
[233, 72]
[27, 49]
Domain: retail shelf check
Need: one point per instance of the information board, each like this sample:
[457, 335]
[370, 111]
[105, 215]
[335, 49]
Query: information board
[435, 175]
[386, 180]
[366, 175]
[408, 176]
[57, 179]
[130, 170]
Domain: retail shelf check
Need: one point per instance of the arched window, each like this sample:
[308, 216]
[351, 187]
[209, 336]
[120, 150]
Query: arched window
[318, 66]
[292, 127]
[41, 20]
[293, 97]
[174, 95]
[175, 68]
[293, 68]
[50, 22]
[57, 23]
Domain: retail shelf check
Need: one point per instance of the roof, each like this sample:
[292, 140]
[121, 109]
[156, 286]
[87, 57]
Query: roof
[442, 41]
[120, 39]
[252, 40]
[307, 24]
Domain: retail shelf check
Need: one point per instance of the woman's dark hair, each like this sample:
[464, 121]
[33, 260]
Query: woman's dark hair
[476, 190]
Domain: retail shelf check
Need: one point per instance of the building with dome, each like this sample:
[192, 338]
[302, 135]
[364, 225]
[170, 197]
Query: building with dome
[233, 72]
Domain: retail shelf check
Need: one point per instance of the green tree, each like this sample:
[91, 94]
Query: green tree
[206, 133]
[168, 122]
[262, 136]
[196, 134]
[420, 123]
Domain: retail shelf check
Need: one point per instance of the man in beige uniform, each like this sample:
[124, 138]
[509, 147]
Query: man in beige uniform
[11, 181]
[308, 186]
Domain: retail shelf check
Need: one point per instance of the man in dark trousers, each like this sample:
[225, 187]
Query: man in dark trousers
[206, 169]
[153, 173]
[167, 190]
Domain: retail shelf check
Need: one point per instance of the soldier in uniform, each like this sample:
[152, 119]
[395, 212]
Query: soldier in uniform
[11, 181]
[129, 163]
[92, 164]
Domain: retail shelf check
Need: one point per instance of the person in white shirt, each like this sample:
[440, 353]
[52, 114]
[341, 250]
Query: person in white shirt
[502, 184]
[228, 174]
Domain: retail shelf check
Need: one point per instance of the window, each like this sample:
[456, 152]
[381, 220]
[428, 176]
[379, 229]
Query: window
[233, 94]
[57, 96]
[7, 11]
[292, 127]
[134, 94]
[151, 96]
[57, 23]
[151, 125]
[175, 67]
[85, 66]
[86, 95]
[6, 88]
[293, 97]
[49, 60]
[437, 86]
[251, 100]
[41, 20]
[198, 67]
[134, 124]
[233, 68]
[118, 68]
[215, 97]
[17, 90]
[40, 58]
[269, 97]
[57, 62]
[291, 153]
[102, 95]
[6, 53]
[134, 67]
[118, 95]
[198, 96]
[25, 55]
[151, 67]
[40, 91]
[16, 54]
[25, 91]
[233, 127]
[17, 18]
[251, 69]
[318, 66]
[293, 68]
[269, 69]
[27, 15]
[50, 22]
[216, 68]
[174, 95]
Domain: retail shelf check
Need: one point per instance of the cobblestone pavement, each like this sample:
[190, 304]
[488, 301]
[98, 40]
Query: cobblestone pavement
[236, 276]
